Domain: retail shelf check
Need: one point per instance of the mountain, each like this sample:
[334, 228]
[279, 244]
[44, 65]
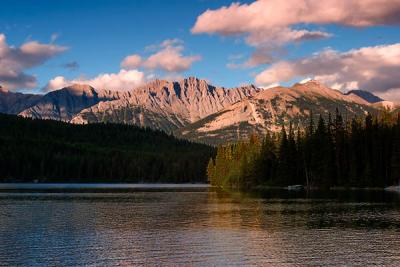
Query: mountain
[65, 103]
[374, 100]
[367, 96]
[192, 108]
[272, 108]
[166, 105]
[14, 103]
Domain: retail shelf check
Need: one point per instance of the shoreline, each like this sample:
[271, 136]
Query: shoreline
[99, 187]
[16, 187]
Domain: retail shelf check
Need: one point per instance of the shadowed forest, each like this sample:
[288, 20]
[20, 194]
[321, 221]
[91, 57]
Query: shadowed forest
[328, 153]
[53, 151]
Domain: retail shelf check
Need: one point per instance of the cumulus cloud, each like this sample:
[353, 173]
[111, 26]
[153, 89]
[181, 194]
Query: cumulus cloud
[374, 69]
[14, 61]
[271, 14]
[123, 80]
[167, 57]
[392, 94]
[272, 23]
[132, 61]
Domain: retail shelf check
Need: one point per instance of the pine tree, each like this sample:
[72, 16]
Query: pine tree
[283, 163]
[395, 159]
[320, 155]
[292, 156]
[340, 148]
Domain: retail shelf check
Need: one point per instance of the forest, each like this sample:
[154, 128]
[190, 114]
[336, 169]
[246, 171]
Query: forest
[54, 151]
[330, 152]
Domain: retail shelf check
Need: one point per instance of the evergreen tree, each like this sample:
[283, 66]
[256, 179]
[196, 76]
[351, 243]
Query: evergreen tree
[395, 162]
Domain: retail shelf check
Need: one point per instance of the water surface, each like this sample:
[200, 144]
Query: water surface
[199, 229]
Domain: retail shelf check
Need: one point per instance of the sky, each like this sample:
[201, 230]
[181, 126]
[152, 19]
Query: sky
[120, 44]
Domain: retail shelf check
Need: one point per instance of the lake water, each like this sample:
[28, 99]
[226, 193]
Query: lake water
[205, 228]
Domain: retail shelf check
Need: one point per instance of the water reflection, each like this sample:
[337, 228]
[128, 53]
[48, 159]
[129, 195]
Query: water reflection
[200, 228]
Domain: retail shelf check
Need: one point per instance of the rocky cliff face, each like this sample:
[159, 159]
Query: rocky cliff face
[65, 103]
[166, 105]
[269, 109]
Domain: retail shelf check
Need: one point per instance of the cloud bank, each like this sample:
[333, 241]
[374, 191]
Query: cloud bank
[14, 61]
[266, 15]
[375, 69]
[123, 80]
[269, 24]
[167, 57]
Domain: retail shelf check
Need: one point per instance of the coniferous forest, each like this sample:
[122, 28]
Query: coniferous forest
[329, 153]
[53, 151]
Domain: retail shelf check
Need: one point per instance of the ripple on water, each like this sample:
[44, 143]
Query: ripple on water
[195, 228]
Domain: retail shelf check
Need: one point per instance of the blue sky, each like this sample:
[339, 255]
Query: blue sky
[100, 34]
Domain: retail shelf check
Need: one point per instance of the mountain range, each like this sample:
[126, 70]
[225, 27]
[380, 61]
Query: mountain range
[192, 108]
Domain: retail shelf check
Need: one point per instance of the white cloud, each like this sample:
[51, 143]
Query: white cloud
[132, 61]
[167, 57]
[391, 94]
[305, 80]
[14, 61]
[124, 80]
[374, 69]
[264, 15]
[269, 24]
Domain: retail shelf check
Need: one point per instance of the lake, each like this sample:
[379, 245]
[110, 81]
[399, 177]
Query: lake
[200, 228]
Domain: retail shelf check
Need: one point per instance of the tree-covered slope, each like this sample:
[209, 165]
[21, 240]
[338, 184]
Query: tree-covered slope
[53, 151]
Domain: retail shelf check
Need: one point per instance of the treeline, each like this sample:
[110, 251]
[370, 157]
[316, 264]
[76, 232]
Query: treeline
[52, 151]
[329, 153]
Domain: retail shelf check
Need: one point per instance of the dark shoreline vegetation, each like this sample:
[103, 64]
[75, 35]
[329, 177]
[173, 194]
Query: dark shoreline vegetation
[53, 151]
[331, 154]
[328, 154]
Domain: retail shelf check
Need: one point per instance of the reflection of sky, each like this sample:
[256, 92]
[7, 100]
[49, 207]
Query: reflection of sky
[200, 228]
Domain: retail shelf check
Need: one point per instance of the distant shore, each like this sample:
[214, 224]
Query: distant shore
[98, 187]
[149, 187]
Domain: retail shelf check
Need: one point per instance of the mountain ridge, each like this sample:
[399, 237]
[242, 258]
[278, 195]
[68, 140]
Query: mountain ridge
[273, 108]
[367, 96]
[180, 103]
[64, 103]
[14, 103]
[191, 108]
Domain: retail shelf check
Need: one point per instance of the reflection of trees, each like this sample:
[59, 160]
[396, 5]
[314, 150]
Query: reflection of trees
[198, 228]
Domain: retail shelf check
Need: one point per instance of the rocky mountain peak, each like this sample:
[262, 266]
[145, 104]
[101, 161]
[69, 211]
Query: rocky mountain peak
[3, 90]
[312, 85]
[193, 84]
[367, 96]
[313, 82]
[79, 89]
